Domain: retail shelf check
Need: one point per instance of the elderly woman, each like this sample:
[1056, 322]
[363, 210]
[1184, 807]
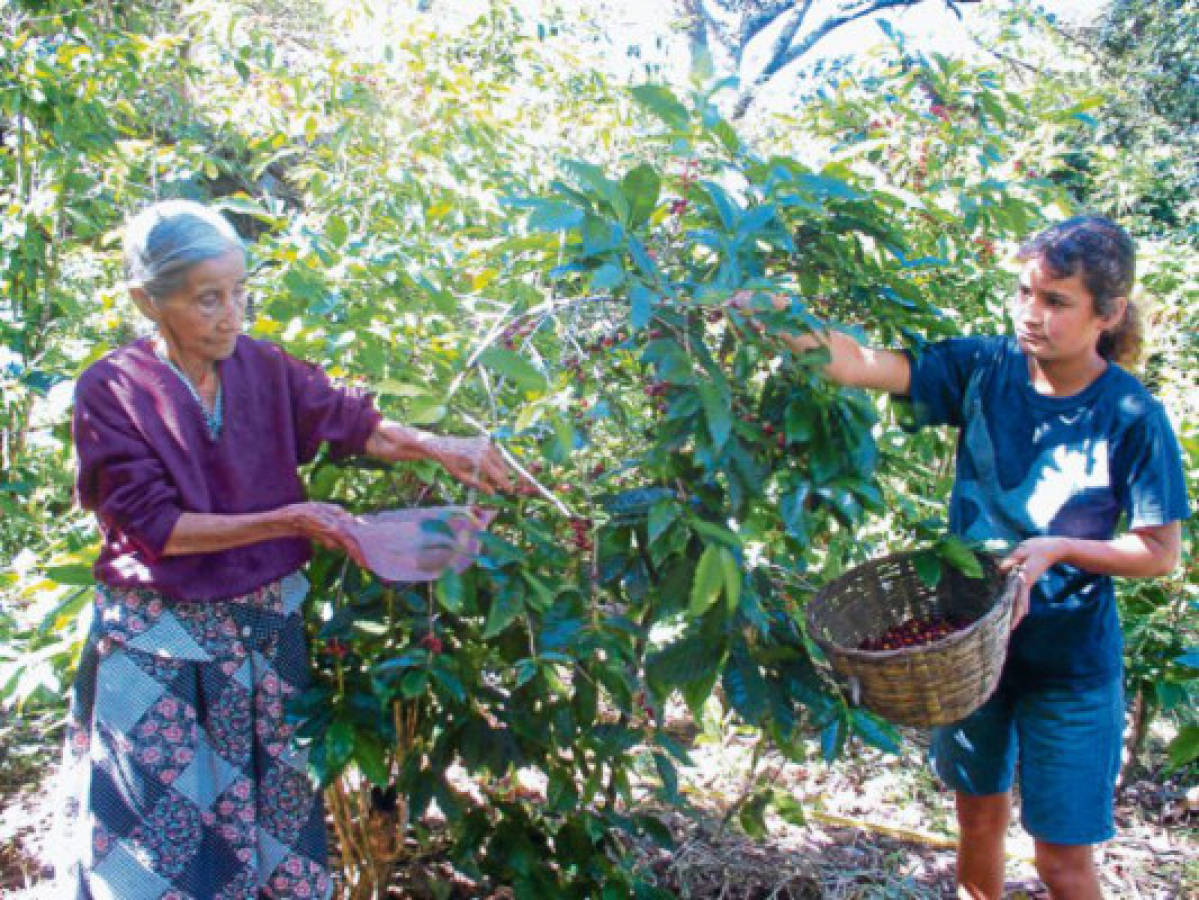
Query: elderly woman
[188, 444]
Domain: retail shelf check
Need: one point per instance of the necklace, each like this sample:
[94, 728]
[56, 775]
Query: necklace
[214, 418]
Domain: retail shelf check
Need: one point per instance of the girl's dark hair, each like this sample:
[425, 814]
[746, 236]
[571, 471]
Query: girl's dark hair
[1103, 253]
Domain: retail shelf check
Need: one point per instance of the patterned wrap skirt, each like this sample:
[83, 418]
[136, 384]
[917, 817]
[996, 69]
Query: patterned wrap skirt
[182, 782]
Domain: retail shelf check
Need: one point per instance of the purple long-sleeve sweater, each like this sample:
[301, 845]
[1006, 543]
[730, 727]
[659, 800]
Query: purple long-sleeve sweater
[146, 457]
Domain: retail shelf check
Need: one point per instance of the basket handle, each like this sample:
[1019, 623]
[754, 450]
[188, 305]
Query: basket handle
[1007, 597]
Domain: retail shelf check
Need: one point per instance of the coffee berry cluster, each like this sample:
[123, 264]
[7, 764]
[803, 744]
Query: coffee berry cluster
[915, 633]
[581, 537]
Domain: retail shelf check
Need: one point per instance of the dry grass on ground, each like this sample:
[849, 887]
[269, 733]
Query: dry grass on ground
[877, 826]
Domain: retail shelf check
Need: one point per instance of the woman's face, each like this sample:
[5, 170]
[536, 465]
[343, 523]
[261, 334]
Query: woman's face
[1055, 317]
[203, 319]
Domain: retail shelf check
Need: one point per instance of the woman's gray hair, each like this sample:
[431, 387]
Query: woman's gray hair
[165, 240]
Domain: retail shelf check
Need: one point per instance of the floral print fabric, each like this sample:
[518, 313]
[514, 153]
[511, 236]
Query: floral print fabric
[183, 781]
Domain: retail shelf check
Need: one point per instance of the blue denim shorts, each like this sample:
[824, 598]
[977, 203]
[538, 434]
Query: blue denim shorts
[1063, 743]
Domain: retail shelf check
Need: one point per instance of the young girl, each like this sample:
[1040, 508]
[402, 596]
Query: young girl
[1057, 444]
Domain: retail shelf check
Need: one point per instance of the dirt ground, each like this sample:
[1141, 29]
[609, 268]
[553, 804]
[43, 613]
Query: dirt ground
[876, 826]
[880, 826]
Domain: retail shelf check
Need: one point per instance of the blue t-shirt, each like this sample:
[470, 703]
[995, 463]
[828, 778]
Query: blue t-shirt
[1030, 464]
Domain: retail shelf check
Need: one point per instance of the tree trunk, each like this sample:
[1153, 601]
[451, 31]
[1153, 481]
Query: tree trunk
[1144, 705]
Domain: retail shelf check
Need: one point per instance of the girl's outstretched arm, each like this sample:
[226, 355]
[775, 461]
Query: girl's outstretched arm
[853, 365]
[849, 363]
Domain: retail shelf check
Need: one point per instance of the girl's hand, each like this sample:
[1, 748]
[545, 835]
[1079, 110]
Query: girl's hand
[325, 523]
[742, 302]
[1031, 559]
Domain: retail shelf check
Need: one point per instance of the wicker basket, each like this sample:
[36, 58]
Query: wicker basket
[932, 684]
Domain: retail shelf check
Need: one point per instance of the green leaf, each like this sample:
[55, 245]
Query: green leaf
[727, 135]
[641, 301]
[336, 230]
[794, 513]
[752, 817]
[526, 671]
[732, 578]
[725, 208]
[449, 681]
[832, 739]
[709, 578]
[710, 531]
[642, 259]
[641, 187]
[426, 410]
[394, 388]
[388, 668]
[824, 186]
[789, 809]
[662, 103]
[591, 177]
[717, 412]
[1184, 749]
[1170, 696]
[954, 551]
[670, 363]
[371, 758]
[662, 515]
[72, 574]
[607, 277]
[928, 567]
[514, 367]
[635, 503]
[697, 691]
[414, 683]
[506, 605]
[874, 731]
[744, 686]
[691, 659]
[339, 745]
[245, 205]
[755, 221]
[1190, 659]
[449, 591]
[554, 215]
[64, 613]
[668, 775]
[543, 592]
[800, 420]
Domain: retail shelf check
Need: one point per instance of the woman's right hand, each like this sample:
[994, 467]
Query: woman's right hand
[325, 523]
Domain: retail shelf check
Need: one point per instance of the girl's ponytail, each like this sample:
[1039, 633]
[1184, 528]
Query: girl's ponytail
[1123, 343]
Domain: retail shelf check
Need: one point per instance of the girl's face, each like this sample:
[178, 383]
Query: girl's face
[1055, 317]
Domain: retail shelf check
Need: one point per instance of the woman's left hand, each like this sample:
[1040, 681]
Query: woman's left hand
[475, 462]
[1031, 559]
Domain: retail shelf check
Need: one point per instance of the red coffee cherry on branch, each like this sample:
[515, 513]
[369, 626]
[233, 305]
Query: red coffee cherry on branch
[432, 643]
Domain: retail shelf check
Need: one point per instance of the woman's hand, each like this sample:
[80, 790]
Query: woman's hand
[325, 523]
[1030, 560]
[475, 462]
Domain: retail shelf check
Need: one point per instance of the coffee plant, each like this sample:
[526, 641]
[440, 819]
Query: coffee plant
[557, 269]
